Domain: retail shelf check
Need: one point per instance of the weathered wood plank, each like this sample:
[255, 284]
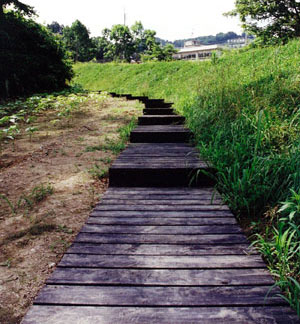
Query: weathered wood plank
[162, 315]
[158, 221]
[174, 230]
[144, 197]
[160, 249]
[180, 190]
[162, 239]
[164, 214]
[157, 128]
[154, 202]
[161, 207]
[161, 120]
[158, 296]
[166, 262]
[141, 277]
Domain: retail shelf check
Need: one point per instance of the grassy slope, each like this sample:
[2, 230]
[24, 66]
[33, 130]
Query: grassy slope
[244, 109]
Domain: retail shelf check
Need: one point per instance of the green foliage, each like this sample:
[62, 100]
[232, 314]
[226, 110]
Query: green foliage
[243, 109]
[98, 172]
[37, 194]
[291, 208]
[31, 58]
[65, 103]
[272, 21]
[40, 192]
[78, 42]
[122, 46]
[19, 6]
[56, 28]
[280, 246]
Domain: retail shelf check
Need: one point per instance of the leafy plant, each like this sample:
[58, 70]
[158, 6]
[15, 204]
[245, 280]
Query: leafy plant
[31, 130]
[9, 203]
[97, 172]
[291, 208]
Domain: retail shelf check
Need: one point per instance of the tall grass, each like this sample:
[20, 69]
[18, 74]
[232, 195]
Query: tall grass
[244, 109]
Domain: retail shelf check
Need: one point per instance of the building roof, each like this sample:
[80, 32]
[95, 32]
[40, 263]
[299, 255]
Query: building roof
[197, 48]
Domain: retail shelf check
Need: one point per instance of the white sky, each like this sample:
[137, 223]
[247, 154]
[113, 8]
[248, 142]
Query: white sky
[170, 19]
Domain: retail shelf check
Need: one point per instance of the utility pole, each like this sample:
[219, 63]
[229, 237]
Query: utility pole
[124, 17]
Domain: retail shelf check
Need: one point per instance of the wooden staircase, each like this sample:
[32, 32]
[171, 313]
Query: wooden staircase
[161, 247]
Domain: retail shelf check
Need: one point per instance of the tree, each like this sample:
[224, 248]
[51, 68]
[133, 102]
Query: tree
[20, 7]
[32, 59]
[270, 20]
[78, 42]
[122, 43]
[102, 48]
[56, 28]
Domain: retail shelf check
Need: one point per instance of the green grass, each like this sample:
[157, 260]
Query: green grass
[244, 109]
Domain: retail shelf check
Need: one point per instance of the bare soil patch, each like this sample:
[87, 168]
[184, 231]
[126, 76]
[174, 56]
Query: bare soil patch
[49, 184]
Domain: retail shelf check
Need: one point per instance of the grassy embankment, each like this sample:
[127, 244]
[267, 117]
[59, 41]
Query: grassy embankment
[244, 109]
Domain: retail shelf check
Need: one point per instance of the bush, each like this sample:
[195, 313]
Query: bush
[32, 58]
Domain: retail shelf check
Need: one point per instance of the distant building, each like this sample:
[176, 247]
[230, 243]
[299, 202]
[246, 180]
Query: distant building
[238, 42]
[193, 50]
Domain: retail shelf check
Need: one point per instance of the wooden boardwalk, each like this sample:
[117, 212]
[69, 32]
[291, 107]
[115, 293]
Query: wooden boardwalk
[156, 250]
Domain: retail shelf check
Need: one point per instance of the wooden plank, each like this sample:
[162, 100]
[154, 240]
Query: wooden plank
[158, 296]
[167, 196]
[161, 120]
[164, 262]
[174, 230]
[141, 277]
[152, 221]
[162, 190]
[160, 249]
[172, 202]
[160, 146]
[160, 165]
[162, 315]
[162, 239]
[160, 136]
[161, 207]
[164, 128]
[164, 214]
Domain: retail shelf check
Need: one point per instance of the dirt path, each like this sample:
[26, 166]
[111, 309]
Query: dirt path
[52, 181]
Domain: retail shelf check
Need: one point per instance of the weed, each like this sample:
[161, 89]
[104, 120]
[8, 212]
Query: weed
[59, 246]
[10, 204]
[64, 229]
[291, 208]
[94, 148]
[106, 160]
[97, 172]
[40, 192]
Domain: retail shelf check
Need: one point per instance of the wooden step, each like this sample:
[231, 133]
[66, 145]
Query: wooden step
[140, 98]
[161, 120]
[157, 103]
[174, 167]
[160, 134]
[127, 96]
[160, 255]
[158, 111]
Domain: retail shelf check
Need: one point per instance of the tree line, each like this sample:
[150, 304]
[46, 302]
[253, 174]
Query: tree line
[34, 58]
[120, 43]
[220, 38]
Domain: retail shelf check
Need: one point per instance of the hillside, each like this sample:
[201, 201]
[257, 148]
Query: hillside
[244, 109]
